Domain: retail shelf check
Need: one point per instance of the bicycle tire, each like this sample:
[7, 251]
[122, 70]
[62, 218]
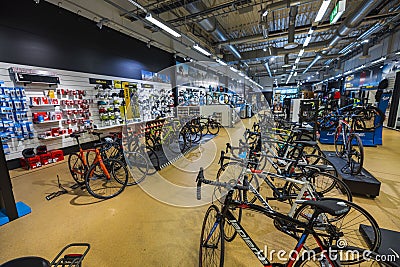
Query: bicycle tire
[138, 167]
[213, 127]
[230, 232]
[372, 117]
[215, 244]
[232, 171]
[77, 168]
[90, 157]
[314, 258]
[99, 186]
[338, 142]
[154, 161]
[355, 166]
[349, 225]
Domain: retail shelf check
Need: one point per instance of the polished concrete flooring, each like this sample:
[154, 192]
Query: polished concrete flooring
[157, 228]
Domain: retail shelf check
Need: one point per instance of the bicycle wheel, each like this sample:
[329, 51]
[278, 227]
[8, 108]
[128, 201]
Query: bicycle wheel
[213, 127]
[324, 186]
[97, 183]
[233, 171]
[371, 116]
[77, 168]
[154, 161]
[138, 167]
[230, 232]
[356, 154]
[211, 252]
[203, 128]
[314, 257]
[90, 157]
[351, 227]
[338, 142]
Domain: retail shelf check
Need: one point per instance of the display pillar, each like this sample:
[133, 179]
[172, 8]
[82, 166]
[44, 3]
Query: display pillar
[7, 201]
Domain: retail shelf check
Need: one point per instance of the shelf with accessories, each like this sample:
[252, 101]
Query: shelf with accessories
[48, 105]
[44, 122]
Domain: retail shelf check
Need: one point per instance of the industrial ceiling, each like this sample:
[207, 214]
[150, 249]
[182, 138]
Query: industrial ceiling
[263, 38]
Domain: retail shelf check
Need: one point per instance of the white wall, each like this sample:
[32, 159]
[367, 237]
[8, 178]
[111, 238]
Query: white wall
[68, 80]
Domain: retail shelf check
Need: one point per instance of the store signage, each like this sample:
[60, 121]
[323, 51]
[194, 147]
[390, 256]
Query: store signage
[337, 12]
[147, 86]
[22, 75]
[100, 81]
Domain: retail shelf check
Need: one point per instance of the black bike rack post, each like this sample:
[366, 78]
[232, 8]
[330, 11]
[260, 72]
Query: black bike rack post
[9, 210]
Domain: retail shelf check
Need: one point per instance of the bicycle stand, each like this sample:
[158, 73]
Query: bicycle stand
[71, 259]
[59, 192]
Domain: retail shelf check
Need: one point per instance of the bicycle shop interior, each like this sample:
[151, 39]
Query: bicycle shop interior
[144, 133]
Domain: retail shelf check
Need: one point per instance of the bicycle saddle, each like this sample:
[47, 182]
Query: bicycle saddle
[27, 261]
[306, 143]
[331, 206]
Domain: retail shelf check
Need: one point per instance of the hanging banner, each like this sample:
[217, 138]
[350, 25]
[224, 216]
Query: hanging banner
[131, 100]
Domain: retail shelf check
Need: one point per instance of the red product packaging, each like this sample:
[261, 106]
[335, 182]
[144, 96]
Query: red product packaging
[46, 159]
[57, 155]
[30, 163]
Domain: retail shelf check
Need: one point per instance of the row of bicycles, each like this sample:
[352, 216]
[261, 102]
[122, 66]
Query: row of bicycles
[122, 159]
[110, 165]
[178, 135]
[283, 165]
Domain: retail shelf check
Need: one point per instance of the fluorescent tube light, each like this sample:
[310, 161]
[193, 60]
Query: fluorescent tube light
[241, 74]
[295, 74]
[378, 60]
[297, 60]
[307, 41]
[311, 31]
[268, 69]
[301, 53]
[223, 63]
[161, 25]
[265, 13]
[348, 72]
[398, 53]
[233, 69]
[322, 10]
[294, 67]
[359, 68]
[201, 50]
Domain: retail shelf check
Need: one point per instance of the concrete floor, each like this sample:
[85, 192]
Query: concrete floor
[136, 229]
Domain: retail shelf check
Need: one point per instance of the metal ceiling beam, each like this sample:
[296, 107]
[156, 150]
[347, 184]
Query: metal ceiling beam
[210, 12]
[273, 51]
[275, 35]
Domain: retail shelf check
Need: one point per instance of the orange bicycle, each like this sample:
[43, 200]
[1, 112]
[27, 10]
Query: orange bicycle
[104, 178]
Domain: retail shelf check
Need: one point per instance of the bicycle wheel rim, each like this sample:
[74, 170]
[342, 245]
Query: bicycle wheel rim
[338, 142]
[99, 186]
[351, 225]
[213, 127]
[138, 167]
[77, 168]
[211, 253]
[356, 155]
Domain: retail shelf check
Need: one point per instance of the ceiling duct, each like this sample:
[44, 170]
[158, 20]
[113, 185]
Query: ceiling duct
[365, 51]
[212, 26]
[292, 27]
[352, 21]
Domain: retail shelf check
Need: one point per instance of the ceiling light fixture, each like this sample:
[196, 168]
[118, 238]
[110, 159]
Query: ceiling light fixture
[301, 53]
[233, 69]
[307, 41]
[322, 10]
[268, 69]
[201, 50]
[297, 60]
[359, 68]
[378, 60]
[161, 25]
[223, 63]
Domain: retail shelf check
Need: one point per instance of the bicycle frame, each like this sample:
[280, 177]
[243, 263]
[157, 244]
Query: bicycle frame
[269, 212]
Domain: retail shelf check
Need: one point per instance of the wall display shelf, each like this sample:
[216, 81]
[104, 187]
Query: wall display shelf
[48, 105]
[107, 127]
[53, 137]
[44, 122]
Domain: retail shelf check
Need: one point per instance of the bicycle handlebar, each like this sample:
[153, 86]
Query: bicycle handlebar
[200, 179]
